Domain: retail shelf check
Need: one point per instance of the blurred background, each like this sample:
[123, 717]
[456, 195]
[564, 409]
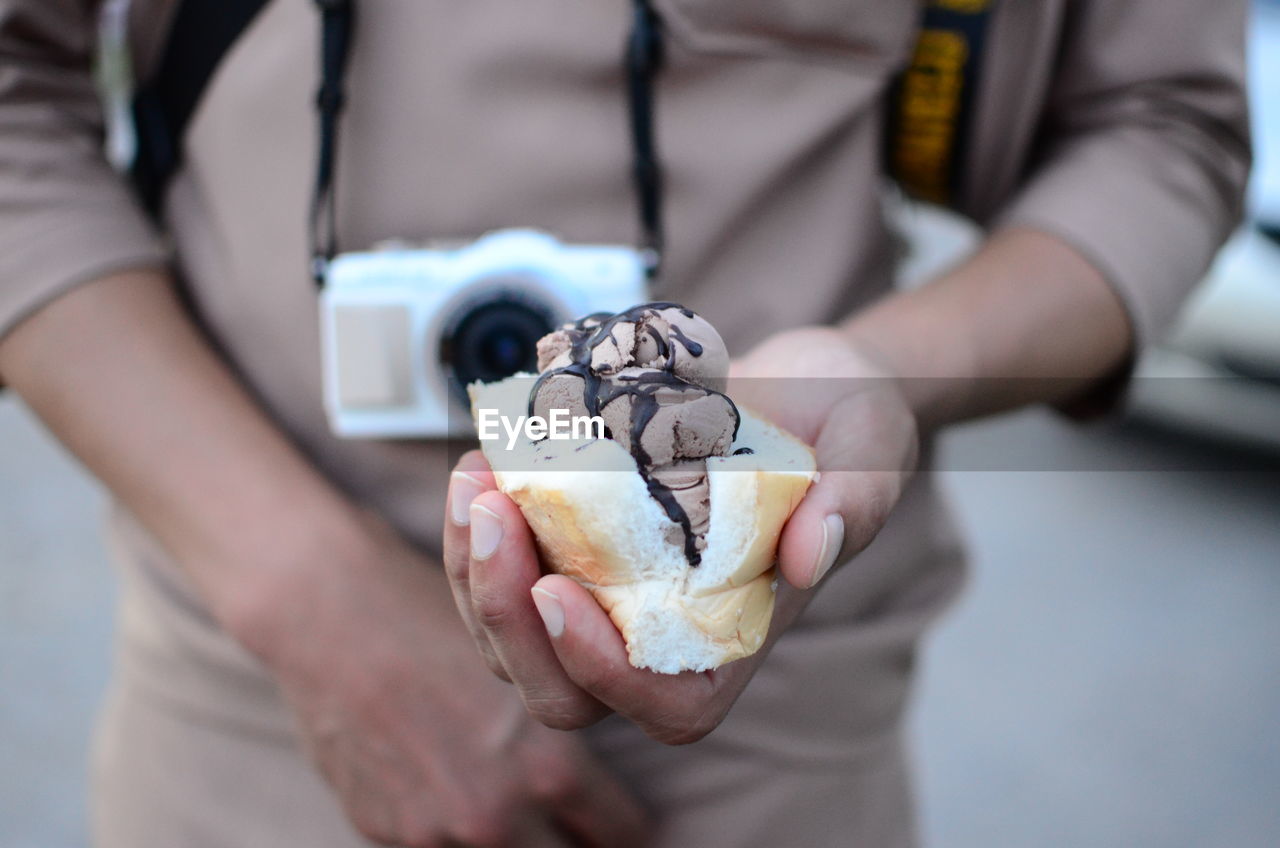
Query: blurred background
[1111, 677]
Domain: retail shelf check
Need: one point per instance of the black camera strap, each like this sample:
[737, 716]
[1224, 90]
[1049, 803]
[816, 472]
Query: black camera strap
[928, 121]
[643, 59]
[337, 29]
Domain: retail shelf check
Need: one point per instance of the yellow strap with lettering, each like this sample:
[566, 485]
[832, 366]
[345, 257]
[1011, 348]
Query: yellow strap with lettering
[933, 98]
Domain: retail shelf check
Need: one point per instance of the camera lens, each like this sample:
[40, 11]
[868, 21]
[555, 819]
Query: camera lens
[493, 340]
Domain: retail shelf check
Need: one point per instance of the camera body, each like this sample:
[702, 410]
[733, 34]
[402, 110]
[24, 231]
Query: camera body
[404, 330]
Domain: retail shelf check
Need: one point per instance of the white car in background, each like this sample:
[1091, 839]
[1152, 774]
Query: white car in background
[1218, 372]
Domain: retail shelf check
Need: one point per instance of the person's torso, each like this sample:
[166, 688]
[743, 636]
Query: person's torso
[467, 117]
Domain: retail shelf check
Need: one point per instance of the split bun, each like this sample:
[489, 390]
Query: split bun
[596, 522]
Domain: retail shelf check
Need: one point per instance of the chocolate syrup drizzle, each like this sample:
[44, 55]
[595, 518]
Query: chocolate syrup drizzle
[598, 392]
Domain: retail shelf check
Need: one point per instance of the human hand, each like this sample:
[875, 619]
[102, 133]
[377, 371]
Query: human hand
[821, 387]
[547, 635]
[422, 744]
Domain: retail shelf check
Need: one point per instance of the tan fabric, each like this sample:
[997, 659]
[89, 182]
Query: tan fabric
[1117, 125]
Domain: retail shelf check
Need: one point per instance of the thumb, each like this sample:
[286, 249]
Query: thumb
[864, 453]
[841, 515]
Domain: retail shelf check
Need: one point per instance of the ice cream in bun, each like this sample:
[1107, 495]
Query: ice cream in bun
[669, 509]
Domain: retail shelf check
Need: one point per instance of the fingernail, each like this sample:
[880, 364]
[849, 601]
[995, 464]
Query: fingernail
[832, 539]
[549, 608]
[486, 532]
[463, 489]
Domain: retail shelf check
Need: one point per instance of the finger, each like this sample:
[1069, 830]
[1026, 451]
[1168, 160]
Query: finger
[601, 811]
[816, 536]
[863, 451]
[504, 566]
[674, 709]
[470, 478]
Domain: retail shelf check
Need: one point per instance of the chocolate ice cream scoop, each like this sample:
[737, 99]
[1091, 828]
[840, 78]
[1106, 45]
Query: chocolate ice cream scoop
[688, 484]
[689, 422]
[563, 390]
[654, 374]
[686, 344]
[662, 336]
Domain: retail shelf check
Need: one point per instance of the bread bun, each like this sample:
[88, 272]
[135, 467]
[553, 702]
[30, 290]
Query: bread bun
[596, 522]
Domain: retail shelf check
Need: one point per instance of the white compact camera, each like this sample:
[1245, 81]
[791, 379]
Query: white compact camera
[405, 330]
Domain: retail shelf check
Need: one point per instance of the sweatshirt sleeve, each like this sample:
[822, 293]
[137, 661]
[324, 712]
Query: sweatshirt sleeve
[1143, 150]
[66, 217]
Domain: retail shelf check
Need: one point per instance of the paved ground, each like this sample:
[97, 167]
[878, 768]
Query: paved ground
[1112, 677]
[55, 622]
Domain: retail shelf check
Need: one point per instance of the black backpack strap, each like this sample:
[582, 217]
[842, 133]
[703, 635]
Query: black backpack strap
[202, 33]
